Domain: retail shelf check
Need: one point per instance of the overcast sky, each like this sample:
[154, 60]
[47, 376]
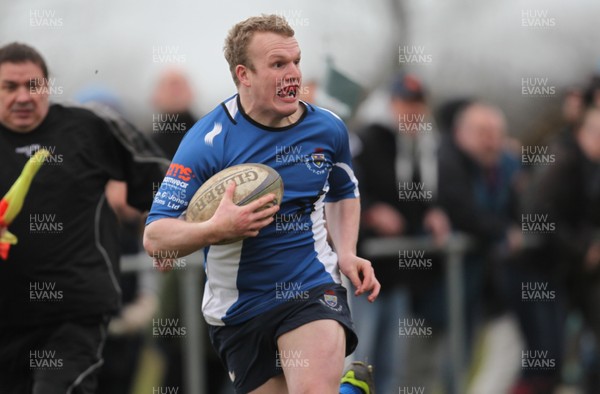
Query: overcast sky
[465, 46]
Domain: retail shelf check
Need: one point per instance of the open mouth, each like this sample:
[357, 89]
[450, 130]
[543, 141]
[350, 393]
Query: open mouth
[287, 91]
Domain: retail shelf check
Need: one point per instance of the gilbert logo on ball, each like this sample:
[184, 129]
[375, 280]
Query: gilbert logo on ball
[252, 181]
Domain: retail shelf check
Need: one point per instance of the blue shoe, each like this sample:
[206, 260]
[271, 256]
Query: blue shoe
[359, 375]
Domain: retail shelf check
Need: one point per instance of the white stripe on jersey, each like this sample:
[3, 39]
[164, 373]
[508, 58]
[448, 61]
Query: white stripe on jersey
[220, 291]
[324, 252]
[232, 107]
[331, 112]
[350, 173]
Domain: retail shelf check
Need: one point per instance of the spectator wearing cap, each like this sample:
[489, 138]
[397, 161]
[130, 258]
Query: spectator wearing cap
[397, 170]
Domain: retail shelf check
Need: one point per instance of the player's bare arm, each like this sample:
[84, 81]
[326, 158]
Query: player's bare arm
[229, 221]
[343, 219]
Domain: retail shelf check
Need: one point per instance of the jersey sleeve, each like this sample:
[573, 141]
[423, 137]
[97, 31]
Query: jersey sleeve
[194, 162]
[342, 181]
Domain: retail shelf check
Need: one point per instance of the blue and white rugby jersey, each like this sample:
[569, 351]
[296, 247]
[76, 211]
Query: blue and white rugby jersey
[289, 256]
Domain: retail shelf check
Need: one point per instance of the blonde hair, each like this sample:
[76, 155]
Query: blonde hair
[239, 36]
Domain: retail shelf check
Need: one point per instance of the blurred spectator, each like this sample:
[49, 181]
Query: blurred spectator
[397, 171]
[172, 101]
[566, 196]
[446, 114]
[478, 188]
[591, 97]
[574, 104]
[572, 108]
[585, 222]
[478, 177]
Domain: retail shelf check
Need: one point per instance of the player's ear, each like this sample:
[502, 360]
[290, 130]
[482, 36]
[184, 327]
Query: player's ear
[241, 72]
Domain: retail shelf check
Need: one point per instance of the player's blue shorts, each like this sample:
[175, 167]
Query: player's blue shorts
[249, 350]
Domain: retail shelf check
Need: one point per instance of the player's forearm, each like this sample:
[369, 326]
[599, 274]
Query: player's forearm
[178, 237]
[343, 218]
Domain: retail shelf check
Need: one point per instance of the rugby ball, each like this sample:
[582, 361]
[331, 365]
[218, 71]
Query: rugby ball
[252, 181]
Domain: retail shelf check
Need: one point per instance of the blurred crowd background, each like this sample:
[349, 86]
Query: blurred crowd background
[472, 118]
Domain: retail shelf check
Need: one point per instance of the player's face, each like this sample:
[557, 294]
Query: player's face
[274, 84]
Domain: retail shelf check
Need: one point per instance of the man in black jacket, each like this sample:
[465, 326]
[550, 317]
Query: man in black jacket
[397, 171]
[478, 177]
[60, 282]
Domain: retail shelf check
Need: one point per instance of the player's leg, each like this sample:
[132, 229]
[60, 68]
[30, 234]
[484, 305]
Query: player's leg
[312, 357]
[256, 361]
[313, 340]
[248, 353]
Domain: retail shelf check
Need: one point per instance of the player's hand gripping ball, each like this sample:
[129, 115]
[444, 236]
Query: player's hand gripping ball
[252, 181]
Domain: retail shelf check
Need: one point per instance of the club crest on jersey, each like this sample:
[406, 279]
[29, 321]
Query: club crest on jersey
[330, 300]
[317, 162]
[318, 159]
